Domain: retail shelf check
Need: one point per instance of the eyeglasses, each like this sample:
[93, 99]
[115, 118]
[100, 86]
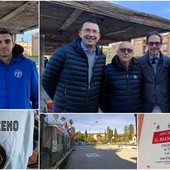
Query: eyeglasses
[152, 43]
[88, 31]
[123, 50]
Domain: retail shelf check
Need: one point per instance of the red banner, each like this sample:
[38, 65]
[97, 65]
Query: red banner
[161, 137]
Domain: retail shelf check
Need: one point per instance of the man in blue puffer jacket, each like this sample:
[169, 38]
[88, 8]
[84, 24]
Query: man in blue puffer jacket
[19, 76]
[122, 83]
[72, 77]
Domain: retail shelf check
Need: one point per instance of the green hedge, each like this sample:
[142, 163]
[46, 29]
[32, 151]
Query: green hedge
[34, 58]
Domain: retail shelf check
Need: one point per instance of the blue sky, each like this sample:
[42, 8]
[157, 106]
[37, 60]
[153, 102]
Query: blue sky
[97, 122]
[27, 36]
[159, 8]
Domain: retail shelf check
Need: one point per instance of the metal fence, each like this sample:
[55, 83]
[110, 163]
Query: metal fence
[54, 145]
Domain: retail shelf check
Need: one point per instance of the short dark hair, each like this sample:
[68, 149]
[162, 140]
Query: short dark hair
[93, 21]
[153, 33]
[6, 31]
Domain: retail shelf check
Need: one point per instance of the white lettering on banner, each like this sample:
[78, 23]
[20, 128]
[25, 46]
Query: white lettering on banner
[161, 137]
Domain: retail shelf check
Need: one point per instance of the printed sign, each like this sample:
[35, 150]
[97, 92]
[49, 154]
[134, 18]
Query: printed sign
[161, 137]
[154, 145]
[54, 146]
[161, 146]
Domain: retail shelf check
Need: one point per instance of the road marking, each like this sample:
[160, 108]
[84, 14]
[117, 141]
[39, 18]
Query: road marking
[90, 155]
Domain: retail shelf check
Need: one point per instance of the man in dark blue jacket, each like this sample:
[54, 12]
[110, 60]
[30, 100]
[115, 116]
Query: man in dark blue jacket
[19, 76]
[72, 77]
[122, 83]
[155, 68]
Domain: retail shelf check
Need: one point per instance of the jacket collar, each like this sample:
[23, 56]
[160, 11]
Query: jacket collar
[147, 55]
[132, 64]
[76, 43]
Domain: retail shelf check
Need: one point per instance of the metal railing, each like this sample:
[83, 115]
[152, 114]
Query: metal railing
[54, 146]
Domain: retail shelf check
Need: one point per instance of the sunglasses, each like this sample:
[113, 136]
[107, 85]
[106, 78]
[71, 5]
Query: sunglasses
[152, 43]
[123, 50]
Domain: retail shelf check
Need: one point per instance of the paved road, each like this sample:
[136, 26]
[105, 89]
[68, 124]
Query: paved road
[102, 157]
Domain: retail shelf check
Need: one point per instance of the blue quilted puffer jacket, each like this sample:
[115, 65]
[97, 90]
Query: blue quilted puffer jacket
[65, 79]
[121, 89]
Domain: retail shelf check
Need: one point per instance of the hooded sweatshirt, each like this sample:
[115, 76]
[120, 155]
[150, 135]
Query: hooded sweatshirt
[19, 82]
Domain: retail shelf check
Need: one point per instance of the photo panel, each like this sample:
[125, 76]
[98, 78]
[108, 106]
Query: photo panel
[76, 141]
[19, 55]
[19, 142]
[154, 141]
[67, 82]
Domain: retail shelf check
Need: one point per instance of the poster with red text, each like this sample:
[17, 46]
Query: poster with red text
[154, 145]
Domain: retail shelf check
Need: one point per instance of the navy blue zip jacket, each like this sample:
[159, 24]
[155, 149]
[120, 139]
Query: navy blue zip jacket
[121, 88]
[65, 79]
[19, 82]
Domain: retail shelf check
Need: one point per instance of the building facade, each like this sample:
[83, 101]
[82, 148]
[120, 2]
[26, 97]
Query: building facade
[27, 47]
[140, 45]
[35, 43]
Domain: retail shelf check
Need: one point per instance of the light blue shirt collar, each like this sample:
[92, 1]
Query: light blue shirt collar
[86, 49]
[150, 57]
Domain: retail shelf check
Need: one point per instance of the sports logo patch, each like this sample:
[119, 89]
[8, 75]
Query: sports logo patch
[135, 77]
[18, 73]
[2, 157]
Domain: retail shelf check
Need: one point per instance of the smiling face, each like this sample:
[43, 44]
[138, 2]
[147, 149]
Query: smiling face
[125, 52]
[90, 35]
[154, 45]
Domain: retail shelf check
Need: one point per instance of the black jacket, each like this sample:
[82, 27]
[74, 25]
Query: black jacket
[156, 87]
[65, 79]
[121, 89]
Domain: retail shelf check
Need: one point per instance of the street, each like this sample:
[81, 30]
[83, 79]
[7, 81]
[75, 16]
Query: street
[102, 157]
